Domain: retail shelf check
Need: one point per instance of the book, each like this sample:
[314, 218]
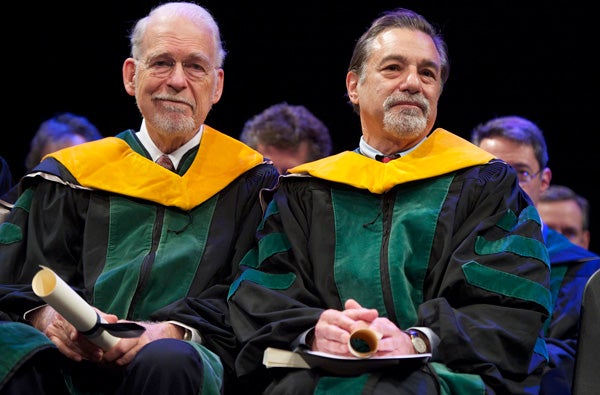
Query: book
[280, 358]
[337, 364]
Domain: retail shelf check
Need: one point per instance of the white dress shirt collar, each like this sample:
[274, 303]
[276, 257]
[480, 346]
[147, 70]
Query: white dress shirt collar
[371, 152]
[176, 155]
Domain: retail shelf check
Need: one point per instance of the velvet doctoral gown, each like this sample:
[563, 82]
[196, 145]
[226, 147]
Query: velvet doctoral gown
[571, 267]
[442, 238]
[133, 238]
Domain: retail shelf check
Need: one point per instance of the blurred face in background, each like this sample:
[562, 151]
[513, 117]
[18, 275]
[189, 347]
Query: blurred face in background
[532, 178]
[285, 158]
[566, 217]
[68, 141]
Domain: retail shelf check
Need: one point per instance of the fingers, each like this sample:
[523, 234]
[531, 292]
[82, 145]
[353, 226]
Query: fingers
[76, 346]
[124, 352]
[358, 313]
[88, 350]
[394, 341]
[331, 339]
[127, 348]
[110, 318]
[333, 330]
[352, 304]
[70, 342]
[66, 348]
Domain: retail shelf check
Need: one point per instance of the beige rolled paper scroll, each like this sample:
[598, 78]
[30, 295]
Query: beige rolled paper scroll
[363, 343]
[53, 290]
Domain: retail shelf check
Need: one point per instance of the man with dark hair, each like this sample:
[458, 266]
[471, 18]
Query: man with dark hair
[288, 135]
[521, 143]
[60, 131]
[418, 236]
[566, 212]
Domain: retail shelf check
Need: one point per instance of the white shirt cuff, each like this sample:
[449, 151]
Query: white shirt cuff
[191, 334]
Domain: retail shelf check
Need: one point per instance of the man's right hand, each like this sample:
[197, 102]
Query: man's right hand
[69, 341]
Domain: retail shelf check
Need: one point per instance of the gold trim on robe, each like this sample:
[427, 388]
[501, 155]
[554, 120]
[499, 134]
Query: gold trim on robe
[111, 165]
[441, 153]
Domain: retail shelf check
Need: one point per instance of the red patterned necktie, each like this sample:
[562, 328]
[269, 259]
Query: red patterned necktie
[165, 162]
[386, 159]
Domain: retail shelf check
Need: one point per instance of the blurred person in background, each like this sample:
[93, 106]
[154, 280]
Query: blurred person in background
[63, 130]
[566, 212]
[60, 131]
[289, 135]
[521, 143]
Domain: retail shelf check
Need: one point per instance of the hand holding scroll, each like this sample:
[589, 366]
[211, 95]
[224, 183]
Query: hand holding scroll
[359, 332]
[60, 296]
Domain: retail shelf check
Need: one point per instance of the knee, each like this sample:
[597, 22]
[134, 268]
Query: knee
[166, 354]
[165, 366]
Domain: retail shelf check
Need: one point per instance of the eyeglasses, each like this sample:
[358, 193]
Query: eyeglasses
[163, 68]
[525, 176]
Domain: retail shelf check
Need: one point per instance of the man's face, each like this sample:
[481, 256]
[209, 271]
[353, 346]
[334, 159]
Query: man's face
[176, 80]
[67, 141]
[566, 217]
[285, 158]
[400, 88]
[522, 158]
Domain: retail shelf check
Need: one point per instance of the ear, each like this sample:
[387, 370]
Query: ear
[218, 90]
[129, 76]
[351, 86]
[585, 239]
[545, 178]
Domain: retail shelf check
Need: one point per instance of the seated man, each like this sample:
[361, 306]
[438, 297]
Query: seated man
[521, 144]
[137, 241]
[567, 213]
[417, 235]
[61, 131]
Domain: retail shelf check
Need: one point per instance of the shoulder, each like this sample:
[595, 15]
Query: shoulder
[494, 170]
[264, 172]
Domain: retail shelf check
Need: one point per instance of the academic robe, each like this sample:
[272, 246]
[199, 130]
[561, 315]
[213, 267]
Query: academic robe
[133, 238]
[442, 238]
[571, 267]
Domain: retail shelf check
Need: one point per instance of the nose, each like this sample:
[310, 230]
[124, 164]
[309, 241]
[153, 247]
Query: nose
[411, 81]
[177, 76]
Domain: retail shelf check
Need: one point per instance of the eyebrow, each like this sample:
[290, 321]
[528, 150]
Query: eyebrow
[193, 56]
[403, 59]
[521, 166]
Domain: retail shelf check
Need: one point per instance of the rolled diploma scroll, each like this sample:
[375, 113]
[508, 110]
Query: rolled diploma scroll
[53, 290]
[364, 342]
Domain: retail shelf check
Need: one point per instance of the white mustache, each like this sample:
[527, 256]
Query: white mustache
[173, 99]
[419, 101]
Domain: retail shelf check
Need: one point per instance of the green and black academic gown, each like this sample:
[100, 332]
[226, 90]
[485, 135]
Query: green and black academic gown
[134, 238]
[442, 238]
[571, 267]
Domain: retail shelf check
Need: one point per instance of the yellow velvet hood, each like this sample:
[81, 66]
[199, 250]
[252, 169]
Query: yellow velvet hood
[111, 165]
[442, 152]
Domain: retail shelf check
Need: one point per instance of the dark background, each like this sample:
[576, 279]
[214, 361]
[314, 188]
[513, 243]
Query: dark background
[534, 59]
